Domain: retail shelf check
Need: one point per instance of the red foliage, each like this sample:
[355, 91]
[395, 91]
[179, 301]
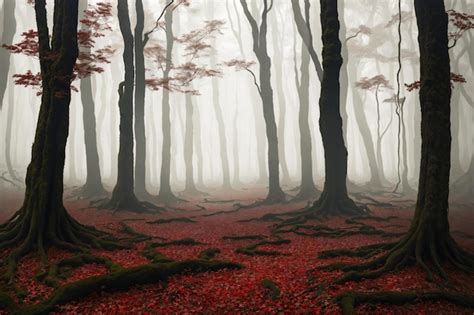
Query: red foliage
[195, 45]
[95, 24]
[376, 82]
[455, 78]
[461, 22]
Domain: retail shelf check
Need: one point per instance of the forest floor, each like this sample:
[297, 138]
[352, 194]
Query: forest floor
[280, 278]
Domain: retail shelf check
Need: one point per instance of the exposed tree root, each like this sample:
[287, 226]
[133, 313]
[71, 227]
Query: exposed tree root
[244, 237]
[60, 230]
[325, 231]
[51, 276]
[253, 250]
[153, 256]
[463, 234]
[417, 247]
[349, 300]
[272, 287]
[129, 204]
[372, 201]
[209, 253]
[120, 280]
[136, 237]
[364, 252]
[181, 242]
[166, 221]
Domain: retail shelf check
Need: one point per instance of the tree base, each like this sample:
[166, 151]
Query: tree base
[89, 192]
[130, 204]
[63, 232]
[416, 248]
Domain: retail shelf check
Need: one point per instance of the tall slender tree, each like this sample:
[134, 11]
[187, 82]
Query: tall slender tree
[334, 199]
[42, 220]
[93, 186]
[259, 35]
[123, 196]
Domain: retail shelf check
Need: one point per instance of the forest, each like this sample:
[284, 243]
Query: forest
[236, 157]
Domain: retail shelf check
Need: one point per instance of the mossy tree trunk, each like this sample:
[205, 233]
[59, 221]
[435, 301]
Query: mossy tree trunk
[259, 35]
[42, 219]
[428, 239]
[123, 196]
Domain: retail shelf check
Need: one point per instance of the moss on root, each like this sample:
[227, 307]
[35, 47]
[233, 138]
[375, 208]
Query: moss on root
[121, 280]
[209, 253]
[244, 237]
[172, 220]
[325, 231]
[253, 250]
[181, 242]
[51, 276]
[273, 289]
[348, 301]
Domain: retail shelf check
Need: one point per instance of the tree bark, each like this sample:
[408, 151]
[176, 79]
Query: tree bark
[308, 188]
[140, 94]
[43, 220]
[334, 199]
[259, 35]
[123, 196]
[165, 194]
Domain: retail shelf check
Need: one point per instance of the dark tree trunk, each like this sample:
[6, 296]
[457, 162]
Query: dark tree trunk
[308, 188]
[123, 196]
[259, 35]
[428, 239]
[334, 199]
[165, 194]
[140, 93]
[190, 187]
[344, 78]
[43, 220]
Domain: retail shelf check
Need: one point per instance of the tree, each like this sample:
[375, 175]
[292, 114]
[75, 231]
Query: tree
[94, 23]
[42, 220]
[307, 189]
[123, 196]
[9, 30]
[375, 84]
[428, 239]
[334, 199]
[259, 35]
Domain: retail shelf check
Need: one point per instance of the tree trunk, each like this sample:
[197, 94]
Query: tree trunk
[165, 194]
[9, 29]
[278, 56]
[140, 93]
[334, 199]
[190, 187]
[236, 179]
[198, 149]
[43, 220]
[308, 188]
[123, 196]
[259, 35]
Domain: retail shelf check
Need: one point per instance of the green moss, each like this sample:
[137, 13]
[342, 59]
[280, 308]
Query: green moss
[181, 242]
[244, 237]
[253, 250]
[274, 290]
[209, 253]
[165, 221]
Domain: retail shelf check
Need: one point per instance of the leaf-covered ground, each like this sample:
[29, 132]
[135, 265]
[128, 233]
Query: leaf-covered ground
[284, 280]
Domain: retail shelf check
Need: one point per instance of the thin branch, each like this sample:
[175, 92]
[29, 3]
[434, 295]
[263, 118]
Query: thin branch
[255, 81]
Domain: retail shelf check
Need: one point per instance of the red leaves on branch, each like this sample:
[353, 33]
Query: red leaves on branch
[455, 78]
[95, 24]
[195, 45]
[462, 22]
[239, 64]
[370, 84]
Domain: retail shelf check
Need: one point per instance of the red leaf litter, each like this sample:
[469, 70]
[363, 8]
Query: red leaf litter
[303, 288]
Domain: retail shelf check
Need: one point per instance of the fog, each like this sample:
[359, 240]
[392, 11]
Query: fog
[370, 54]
